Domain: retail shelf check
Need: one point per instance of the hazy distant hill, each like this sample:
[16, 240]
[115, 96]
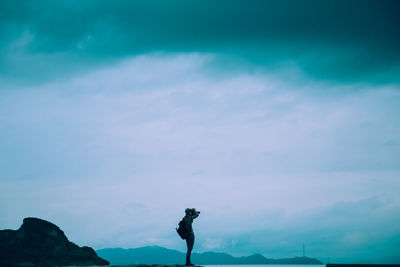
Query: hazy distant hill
[160, 255]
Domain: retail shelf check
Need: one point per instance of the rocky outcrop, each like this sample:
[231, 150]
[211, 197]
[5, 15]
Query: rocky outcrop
[40, 243]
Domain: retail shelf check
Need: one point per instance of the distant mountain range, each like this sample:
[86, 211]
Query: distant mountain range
[160, 255]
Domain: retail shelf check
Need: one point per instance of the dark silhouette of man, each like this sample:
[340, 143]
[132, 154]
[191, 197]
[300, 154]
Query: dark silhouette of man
[190, 215]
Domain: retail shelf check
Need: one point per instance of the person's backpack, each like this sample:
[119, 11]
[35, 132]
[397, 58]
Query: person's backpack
[182, 229]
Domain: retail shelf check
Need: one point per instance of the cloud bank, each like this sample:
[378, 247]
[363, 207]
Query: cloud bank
[352, 41]
[272, 162]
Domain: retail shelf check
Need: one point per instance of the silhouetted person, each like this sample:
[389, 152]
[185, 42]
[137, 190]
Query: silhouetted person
[190, 215]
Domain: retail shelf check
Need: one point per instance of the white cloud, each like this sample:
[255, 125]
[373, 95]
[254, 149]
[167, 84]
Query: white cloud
[212, 243]
[122, 151]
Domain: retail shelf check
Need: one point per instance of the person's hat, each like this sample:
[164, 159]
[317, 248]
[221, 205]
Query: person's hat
[188, 210]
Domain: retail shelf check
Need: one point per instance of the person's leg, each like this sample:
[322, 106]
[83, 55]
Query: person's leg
[189, 243]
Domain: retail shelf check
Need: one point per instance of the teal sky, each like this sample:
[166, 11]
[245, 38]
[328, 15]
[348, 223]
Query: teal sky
[279, 120]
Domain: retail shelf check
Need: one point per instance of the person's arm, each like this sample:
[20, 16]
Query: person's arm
[196, 214]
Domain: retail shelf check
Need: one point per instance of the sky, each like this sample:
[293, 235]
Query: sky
[278, 120]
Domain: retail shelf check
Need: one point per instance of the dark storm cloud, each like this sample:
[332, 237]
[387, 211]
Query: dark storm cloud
[342, 40]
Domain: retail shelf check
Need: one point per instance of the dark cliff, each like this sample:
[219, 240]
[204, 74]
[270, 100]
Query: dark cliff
[40, 243]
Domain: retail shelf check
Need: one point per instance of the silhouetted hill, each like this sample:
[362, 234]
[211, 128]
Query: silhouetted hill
[40, 243]
[160, 255]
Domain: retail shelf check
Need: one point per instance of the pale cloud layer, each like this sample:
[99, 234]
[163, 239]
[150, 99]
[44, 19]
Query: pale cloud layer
[114, 155]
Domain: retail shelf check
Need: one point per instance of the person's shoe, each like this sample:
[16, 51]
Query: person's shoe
[189, 264]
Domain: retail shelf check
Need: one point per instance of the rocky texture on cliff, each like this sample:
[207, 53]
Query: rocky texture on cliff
[40, 243]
